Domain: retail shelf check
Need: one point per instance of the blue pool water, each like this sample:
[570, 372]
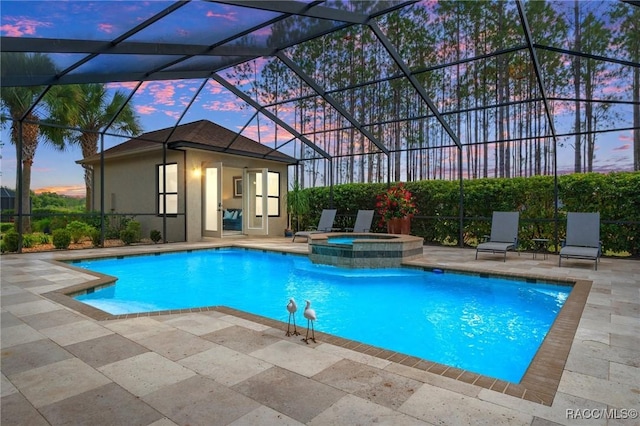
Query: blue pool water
[490, 326]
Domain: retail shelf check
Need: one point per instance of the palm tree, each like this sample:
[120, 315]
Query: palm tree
[93, 111]
[19, 102]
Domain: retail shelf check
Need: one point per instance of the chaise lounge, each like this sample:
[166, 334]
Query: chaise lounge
[583, 237]
[364, 219]
[325, 225]
[504, 234]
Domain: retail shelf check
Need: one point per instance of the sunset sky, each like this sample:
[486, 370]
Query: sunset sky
[159, 104]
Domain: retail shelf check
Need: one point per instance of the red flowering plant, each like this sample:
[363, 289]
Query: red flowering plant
[397, 201]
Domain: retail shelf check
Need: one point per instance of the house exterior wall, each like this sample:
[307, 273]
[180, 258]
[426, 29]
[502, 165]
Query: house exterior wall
[232, 165]
[131, 188]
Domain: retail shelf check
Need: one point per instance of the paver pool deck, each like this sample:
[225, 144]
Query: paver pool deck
[62, 365]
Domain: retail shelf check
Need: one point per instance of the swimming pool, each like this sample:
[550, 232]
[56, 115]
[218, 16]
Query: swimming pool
[490, 326]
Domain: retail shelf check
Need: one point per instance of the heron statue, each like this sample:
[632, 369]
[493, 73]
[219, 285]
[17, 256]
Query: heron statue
[310, 315]
[292, 308]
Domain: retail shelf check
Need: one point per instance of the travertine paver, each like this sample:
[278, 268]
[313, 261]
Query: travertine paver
[79, 331]
[301, 359]
[352, 410]
[353, 355]
[145, 373]
[225, 365]
[381, 387]
[265, 416]
[54, 382]
[200, 401]
[612, 393]
[31, 308]
[27, 356]
[176, 344]
[198, 324]
[104, 406]
[106, 350]
[19, 334]
[292, 394]
[434, 405]
[241, 339]
[137, 328]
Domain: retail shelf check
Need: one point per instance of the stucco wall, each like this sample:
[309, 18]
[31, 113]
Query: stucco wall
[131, 189]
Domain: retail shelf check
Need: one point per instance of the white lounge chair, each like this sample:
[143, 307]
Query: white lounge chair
[363, 221]
[504, 234]
[325, 225]
[583, 237]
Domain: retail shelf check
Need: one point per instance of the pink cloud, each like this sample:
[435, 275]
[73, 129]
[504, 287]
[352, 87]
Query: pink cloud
[17, 27]
[220, 106]
[625, 138]
[173, 114]
[624, 147]
[145, 109]
[124, 85]
[229, 16]
[105, 28]
[163, 93]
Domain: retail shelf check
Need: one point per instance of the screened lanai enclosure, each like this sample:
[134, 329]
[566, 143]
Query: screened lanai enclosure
[350, 91]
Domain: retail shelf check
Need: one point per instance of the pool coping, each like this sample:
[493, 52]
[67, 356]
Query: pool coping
[539, 383]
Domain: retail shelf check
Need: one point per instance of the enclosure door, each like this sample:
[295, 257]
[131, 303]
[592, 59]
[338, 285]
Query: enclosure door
[254, 200]
[212, 200]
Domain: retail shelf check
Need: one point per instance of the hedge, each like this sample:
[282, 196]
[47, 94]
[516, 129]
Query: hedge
[616, 196]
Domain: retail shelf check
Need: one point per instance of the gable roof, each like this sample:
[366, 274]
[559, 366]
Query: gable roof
[6, 192]
[202, 134]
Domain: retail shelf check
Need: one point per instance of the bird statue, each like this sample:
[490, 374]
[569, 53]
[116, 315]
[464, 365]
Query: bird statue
[292, 308]
[310, 315]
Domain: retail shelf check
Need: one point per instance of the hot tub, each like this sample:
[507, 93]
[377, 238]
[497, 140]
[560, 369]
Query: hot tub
[363, 250]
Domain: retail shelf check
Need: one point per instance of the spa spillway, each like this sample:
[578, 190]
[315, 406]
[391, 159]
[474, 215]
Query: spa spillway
[366, 250]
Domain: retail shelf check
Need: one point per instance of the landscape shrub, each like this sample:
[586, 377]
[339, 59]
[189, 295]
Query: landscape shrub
[42, 225]
[132, 233]
[28, 241]
[155, 236]
[95, 236]
[10, 240]
[5, 226]
[615, 195]
[78, 230]
[61, 238]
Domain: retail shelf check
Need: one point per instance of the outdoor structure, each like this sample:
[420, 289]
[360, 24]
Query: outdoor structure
[354, 91]
[193, 181]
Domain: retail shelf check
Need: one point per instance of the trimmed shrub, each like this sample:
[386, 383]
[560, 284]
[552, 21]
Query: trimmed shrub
[128, 236]
[94, 234]
[28, 241]
[10, 240]
[78, 230]
[136, 228]
[4, 227]
[61, 239]
[155, 236]
[40, 238]
[42, 225]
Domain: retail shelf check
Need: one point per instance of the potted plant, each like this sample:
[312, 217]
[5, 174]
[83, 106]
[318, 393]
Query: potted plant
[297, 207]
[396, 206]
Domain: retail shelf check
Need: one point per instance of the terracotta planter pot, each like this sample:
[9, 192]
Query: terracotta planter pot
[399, 225]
